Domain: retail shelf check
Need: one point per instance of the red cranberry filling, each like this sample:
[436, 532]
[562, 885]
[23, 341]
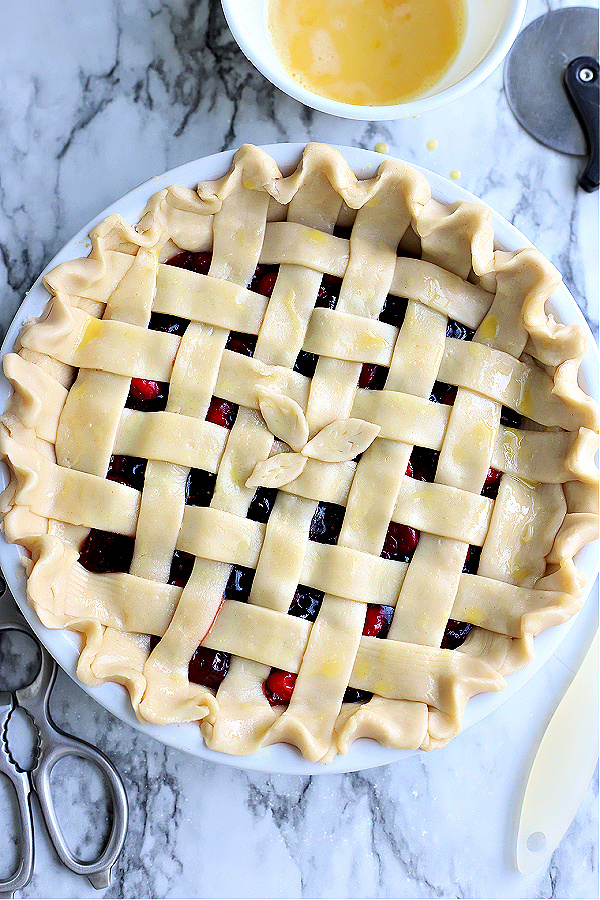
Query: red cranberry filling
[458, 331]
[181, 568]
[239, 584]
[146, 395]
[279, 687]
[329, 292]
[306, 363]
[222, 412]
[423, 462]
[492, 483]
[378, 620]
[195, 262]
[471, 563]
[509, 418]
[443, 393]
[264, 280]
[356, 695]
[208, 667]
[394, 310]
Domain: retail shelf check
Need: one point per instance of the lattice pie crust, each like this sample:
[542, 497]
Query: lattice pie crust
[318, 440]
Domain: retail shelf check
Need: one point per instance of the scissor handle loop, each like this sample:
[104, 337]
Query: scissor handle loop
[98, 870]
[22, 875]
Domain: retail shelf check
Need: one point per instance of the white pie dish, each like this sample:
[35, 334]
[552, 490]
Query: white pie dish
[64, 646]
[491, 30]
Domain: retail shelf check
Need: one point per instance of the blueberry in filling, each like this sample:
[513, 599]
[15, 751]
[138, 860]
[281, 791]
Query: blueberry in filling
[326, 523]
[262, 504]
[129, 470]
[199, 487]
[168, 324]
[104, 551]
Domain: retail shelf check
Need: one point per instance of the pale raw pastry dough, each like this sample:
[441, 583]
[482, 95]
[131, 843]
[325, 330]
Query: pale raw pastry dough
[317, 440]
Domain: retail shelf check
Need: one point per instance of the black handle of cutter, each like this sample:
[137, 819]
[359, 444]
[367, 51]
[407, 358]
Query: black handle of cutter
[582, 87]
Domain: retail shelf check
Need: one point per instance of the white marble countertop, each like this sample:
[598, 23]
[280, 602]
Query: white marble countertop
[94, 99]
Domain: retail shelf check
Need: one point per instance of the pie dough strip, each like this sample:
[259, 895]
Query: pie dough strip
[403, 417]
[89, 421]
[179, 439]
[242, 212]
[463, 463]
[241, 377]
[209, 300]
[353, 574]
[211, 533]
[515, 550]
[415, 279]
[241, 728]
[376, 233]
[518, 385]
[96, 276]
[85, 342]
[550, 456]
[52, 491]
[324, 675]
[423, 615]
[315, 206]
[351, 338]
[132, 604]
[446, 679]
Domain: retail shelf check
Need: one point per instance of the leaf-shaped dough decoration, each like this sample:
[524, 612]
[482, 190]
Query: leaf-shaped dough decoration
[277, 470]
[342, 440]
[284, 417]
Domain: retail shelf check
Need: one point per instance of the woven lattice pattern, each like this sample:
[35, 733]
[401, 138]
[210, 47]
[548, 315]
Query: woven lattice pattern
[320, 428]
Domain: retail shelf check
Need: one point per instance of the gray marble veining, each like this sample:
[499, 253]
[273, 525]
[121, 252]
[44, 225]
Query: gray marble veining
[94, 99]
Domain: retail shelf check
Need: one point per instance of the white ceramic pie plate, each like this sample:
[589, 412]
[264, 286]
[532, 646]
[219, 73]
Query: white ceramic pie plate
[64, 645]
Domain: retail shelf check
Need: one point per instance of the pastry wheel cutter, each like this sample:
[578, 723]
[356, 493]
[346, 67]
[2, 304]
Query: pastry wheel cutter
[53, 744]
[552, 81]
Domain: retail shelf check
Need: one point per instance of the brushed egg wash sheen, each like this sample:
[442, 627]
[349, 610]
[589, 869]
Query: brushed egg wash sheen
[367, 52]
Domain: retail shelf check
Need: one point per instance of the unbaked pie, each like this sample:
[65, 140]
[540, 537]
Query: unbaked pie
[303, 458]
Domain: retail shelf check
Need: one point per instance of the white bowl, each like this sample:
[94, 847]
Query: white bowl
[65, 645]
[492, 26]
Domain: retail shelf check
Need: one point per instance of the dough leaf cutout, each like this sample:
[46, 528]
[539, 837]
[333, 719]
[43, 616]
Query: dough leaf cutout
[277, 470]
[284, 418]
[342, 440]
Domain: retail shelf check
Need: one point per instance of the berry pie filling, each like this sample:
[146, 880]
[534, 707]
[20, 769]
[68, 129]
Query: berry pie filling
[147, 396]
[319, 460]
[105, 552]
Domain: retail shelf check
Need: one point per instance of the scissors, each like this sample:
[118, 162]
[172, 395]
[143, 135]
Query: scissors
[53, 744]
